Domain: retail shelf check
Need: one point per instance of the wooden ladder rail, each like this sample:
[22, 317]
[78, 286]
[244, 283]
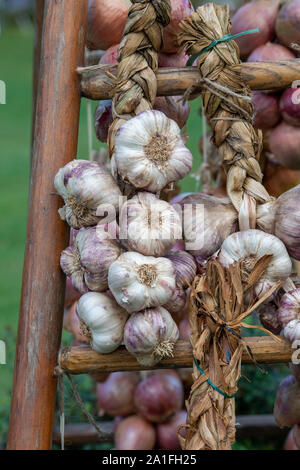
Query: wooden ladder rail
[43, 287]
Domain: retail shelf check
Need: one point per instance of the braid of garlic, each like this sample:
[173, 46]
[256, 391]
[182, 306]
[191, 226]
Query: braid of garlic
[135, 88]
[228, 108]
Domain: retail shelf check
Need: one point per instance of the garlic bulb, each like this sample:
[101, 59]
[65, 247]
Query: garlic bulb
[149, 225]
[102, 321]
[88, 190]
[139, 282]
[150, 335]
[287, 221]
[289, 308]
[292, 331]
[207, 221]
[268, 315]
[177, 301]
[185, 267]
[248, 247]
[150, 153]
[87, 261]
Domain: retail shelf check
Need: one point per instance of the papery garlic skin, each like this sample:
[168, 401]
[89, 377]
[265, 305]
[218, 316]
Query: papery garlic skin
[150, 335]
[207, 221]
[292, 331]
[289, 307]
[85, 186]
[150, 153]
[139, 282]
[87, 261]
[185, 267]
[103, 321]
[248, 247]
[177, 301]
[287, 221]
[149, 225]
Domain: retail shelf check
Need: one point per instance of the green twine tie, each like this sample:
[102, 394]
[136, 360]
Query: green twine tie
[210, 383]
[226, 38]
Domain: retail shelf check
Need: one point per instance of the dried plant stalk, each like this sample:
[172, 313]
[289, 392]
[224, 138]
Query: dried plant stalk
[217, 298]
[216, 316]
[228, 108]
[135, 83]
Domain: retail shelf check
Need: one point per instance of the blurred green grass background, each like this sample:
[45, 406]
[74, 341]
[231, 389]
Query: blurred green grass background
[16, 49]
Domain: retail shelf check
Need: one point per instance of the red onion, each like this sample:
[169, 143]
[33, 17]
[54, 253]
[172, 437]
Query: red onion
[106, 22]
[72, 294]
[289, 443]
[270, 52]
[290, 106]
[284, 143]
[261, 14]
[266, 110]
[158, 397]
[184, 329]
[288, 23]
[287, 403]
[103, 119]
[180, 9]
[295, 370]
[178, 59]
[278, 179]
[110, 56]
[296, 436]
[167, 432]
[116, 395]
[134, 433]
[173, 108]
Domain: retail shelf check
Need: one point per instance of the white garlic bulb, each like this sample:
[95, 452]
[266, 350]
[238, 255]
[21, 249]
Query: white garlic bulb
[150, 335]
[207, 221]
[251, 245]
[102, 321]
[289, 307]
[149, 225]
[88, 190]
[87, 261]
[292, 331]
[185, 267]
[150, 153]
[139, 282]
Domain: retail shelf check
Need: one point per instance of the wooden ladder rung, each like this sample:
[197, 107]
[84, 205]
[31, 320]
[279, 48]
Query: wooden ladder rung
[82, 359]
[246, 426]
[97, 85]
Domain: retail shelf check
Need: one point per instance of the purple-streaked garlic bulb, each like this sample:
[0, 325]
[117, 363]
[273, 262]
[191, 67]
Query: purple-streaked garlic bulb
[87, 261]
[248, 247]
[151, 335]
[103, 119]
[292, 331]
[174, 108]
[289, 307]
[150, 152]
[185, 267]
[207, 221]
[149, 225]
[287, 403]
[139, 282]
[287, 220]
[177, 301]
[89, 193]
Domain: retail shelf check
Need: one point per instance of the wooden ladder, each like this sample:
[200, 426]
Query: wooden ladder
[59, 50]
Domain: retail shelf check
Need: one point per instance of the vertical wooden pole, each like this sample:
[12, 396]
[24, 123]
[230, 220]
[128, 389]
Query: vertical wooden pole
[42, 298]
[38, 30]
